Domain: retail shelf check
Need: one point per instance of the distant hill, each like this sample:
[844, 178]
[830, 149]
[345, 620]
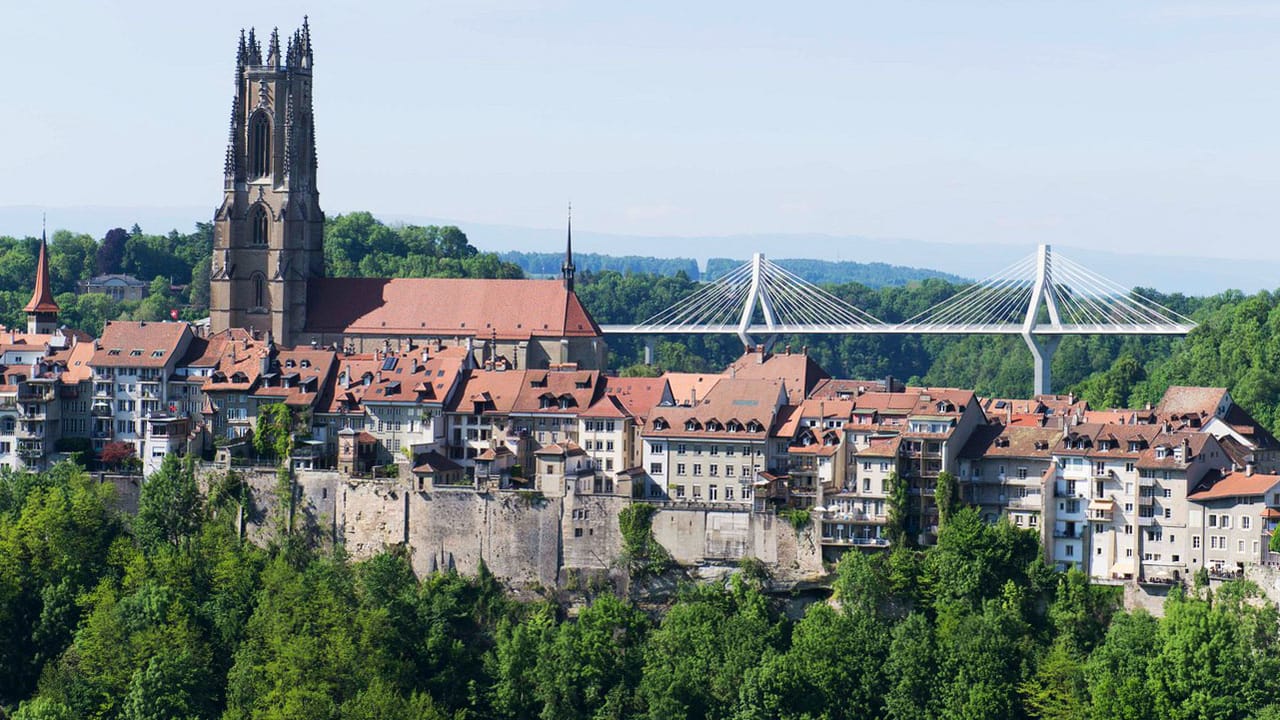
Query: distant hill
[874, 274]
[548, 264]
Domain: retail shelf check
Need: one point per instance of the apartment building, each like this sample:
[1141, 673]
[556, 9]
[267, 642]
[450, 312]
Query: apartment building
[1232, 516]
[1009, 471]
[132, 370]
[713, 451]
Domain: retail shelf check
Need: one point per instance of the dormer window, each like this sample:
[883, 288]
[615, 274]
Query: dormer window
[289, 363]
[735, 426]
[1134, 446]
[305, 363]
[1161, 453]
[113, 352]
[566, 402]
[660, 424]
[691, 425]
[754, 427]
[366, 379]
[714, 426]
[157, 353]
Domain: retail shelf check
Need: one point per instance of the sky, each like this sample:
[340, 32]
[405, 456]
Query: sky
[1144, 127]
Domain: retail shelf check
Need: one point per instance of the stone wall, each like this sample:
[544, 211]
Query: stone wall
[524, 538]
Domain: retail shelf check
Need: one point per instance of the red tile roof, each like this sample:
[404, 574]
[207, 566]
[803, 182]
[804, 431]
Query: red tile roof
[1238, 484]
[798, 370]
[42, 298]
[509, 309]
[140, 344]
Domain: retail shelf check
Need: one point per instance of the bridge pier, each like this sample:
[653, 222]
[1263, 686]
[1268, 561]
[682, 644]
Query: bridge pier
[1042, 349]
[648, 350]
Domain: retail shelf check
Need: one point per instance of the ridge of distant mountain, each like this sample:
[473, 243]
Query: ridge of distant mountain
[1167, 273]
[875, 274]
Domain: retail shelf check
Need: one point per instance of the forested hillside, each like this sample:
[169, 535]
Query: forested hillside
[873, 274]
[548, 264]
[170, 615]
[177, 266]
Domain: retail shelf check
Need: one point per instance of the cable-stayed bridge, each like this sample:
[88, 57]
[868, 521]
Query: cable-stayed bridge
[1042, 297]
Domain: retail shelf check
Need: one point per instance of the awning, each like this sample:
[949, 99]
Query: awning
[1102, 504]
[1122, 568]
[1271, 513]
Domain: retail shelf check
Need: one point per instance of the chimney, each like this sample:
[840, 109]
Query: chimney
[1186, 450]
[788, 349]
[693, 396]
[1248, 469]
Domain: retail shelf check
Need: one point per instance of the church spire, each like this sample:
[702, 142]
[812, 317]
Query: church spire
[566, 268]
[42, 310]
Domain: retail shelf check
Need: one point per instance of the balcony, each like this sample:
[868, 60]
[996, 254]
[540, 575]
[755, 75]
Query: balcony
[1065, 534]
[854, 541]
[30, 433]
[35, 393]
[1030, 502]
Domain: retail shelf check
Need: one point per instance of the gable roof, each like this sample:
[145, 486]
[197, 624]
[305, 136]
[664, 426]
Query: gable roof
[1238, 484]
[507, 309]
[798, 370]
[136, 344]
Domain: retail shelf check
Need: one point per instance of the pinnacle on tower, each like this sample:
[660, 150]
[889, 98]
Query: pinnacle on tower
[273, 49]
[566, 268]
[42, 306]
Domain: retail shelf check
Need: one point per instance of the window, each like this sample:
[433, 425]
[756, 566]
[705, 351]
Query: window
[712, 492]
[728, 492]
[1128, 529]
[259, 146]
[679, 468]
[1071, 551]
[259, 291]
[655, 468]
[1195, 542]
[1168, 492]
[1168, 513]
[866, 466]
[713, 470]
[1244, 522]
[1213, 520]
[679, 491]
[1128, 552]
[728, 472]
[1239, 546]
[1226, 521]
[259, 226]
[680, 449]
[697, 469]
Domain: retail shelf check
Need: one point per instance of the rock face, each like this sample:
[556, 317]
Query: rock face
[524, 538]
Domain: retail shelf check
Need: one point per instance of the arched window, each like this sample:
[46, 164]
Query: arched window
[258, 225]
[259, 146]
[259, 291]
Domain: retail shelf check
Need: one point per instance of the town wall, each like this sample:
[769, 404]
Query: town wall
[524, 538]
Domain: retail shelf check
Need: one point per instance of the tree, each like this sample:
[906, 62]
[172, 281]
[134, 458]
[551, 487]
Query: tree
[169, 506]
[273, 431]
[899, 506]
[947, 496]
[110, 253]
[117, 453]
[593, 667]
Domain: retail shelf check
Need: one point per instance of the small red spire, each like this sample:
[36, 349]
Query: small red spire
[42, 299]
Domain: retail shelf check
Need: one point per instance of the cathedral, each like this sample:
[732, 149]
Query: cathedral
[268, 274]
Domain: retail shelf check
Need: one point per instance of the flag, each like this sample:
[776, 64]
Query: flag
[173, 313]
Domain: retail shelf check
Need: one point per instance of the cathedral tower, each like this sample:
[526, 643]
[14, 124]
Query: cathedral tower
[269, 229]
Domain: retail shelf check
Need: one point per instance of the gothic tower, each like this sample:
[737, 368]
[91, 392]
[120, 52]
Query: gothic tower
[268, 231]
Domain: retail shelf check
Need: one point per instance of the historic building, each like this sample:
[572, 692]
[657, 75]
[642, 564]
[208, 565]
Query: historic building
[268, 272]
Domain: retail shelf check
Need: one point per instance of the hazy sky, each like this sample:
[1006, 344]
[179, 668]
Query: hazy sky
[1151, 126]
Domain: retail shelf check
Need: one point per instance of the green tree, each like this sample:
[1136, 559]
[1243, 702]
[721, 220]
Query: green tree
[899, 507]
[169, 506]
[947, 496]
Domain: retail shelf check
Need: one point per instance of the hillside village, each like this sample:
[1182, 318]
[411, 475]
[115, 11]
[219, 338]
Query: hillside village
[496, 388]
[1149, 494]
